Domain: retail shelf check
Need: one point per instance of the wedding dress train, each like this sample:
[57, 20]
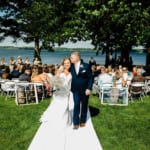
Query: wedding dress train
[56, 131]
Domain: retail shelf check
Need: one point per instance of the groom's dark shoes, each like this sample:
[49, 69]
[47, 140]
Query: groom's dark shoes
[75, 127]
[82, 124]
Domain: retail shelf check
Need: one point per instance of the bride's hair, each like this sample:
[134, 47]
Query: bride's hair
[66, 58]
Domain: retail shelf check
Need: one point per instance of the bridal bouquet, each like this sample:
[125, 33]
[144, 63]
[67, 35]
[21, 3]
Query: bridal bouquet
[59, 88]
[56, 82]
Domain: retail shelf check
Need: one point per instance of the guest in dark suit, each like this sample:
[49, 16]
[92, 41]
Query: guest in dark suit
[26, 76]
[15, 73]
[82, 81]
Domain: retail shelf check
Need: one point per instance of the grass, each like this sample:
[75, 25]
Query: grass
[18, 124]
[122, 127]
[118, 128]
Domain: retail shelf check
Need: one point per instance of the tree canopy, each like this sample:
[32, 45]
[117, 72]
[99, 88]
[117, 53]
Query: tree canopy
[42, 21]
[110, 24]
[116, 25]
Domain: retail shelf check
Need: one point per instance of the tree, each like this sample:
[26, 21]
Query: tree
[43, 22]
[9, 25]
[111, 25]
[116, 25]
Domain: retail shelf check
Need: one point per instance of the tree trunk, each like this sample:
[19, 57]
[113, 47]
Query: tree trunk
[107, 57]
[125, 52]
[147, 67]
[107, 51]
[37, 49]
[148, 57]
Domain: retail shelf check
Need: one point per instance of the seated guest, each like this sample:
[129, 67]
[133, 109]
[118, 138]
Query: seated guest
[19, 60]
[15, 73]
[142, 70]
[35, 76]
[11, 63]
[104, 77]
[138, 78]
[92, 62]
[110, 70]
[134, 71]
[94, 71]
[45, 78]
[26, 76]
[27, 61]
[38, 77]
[2, 61]
[50, 70]
[97, 71]
[44, 74]
[2, 68]
[126, 76]
[36, 61]
[118, 79]
[6, 73]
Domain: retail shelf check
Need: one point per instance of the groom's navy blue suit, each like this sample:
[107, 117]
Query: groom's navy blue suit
[80, 82]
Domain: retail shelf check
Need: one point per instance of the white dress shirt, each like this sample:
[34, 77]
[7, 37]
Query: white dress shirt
[77, 67]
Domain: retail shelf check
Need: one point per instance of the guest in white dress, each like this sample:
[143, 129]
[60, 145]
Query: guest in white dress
[104, 77]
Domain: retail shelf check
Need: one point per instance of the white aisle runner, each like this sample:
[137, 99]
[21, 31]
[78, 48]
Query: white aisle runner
[50, 137]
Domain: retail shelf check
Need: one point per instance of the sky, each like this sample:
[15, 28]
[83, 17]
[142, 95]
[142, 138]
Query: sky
[20, 43]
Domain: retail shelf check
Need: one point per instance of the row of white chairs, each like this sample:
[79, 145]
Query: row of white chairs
[23, 92]
[143, 88]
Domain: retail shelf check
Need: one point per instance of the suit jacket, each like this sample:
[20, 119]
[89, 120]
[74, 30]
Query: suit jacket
[83, 80]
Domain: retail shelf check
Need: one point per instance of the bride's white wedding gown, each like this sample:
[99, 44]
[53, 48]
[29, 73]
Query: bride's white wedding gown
[56, 131]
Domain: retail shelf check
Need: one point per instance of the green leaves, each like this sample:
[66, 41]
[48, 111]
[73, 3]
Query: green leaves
[59, 21]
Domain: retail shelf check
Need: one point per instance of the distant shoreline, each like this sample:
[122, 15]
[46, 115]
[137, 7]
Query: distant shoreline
[139, 58]
[55, 48]
[62, 49]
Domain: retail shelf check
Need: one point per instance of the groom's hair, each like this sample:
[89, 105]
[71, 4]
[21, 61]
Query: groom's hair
[76, 53]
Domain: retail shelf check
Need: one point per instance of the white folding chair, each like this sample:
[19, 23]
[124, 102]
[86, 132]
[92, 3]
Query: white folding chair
[104, 86]
[26, 92]
[115, 96]
[9, 87]
[40, 90]
[1, 84]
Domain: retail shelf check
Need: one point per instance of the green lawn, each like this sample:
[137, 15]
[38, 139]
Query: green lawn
[118, 128]
[122, 127]
[18, 124]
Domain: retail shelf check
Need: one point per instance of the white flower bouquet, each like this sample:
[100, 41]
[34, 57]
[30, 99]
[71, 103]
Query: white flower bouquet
[59, 87]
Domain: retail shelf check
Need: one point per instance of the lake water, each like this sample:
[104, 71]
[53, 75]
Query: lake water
[57, 56]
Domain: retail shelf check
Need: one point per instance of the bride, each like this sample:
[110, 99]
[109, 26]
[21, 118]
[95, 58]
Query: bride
[62, 97]
[57, 118]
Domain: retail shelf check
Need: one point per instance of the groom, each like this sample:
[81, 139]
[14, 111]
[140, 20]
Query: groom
[81, 85]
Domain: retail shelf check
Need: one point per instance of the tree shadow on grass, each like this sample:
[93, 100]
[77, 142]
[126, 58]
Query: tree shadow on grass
[94, 111]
